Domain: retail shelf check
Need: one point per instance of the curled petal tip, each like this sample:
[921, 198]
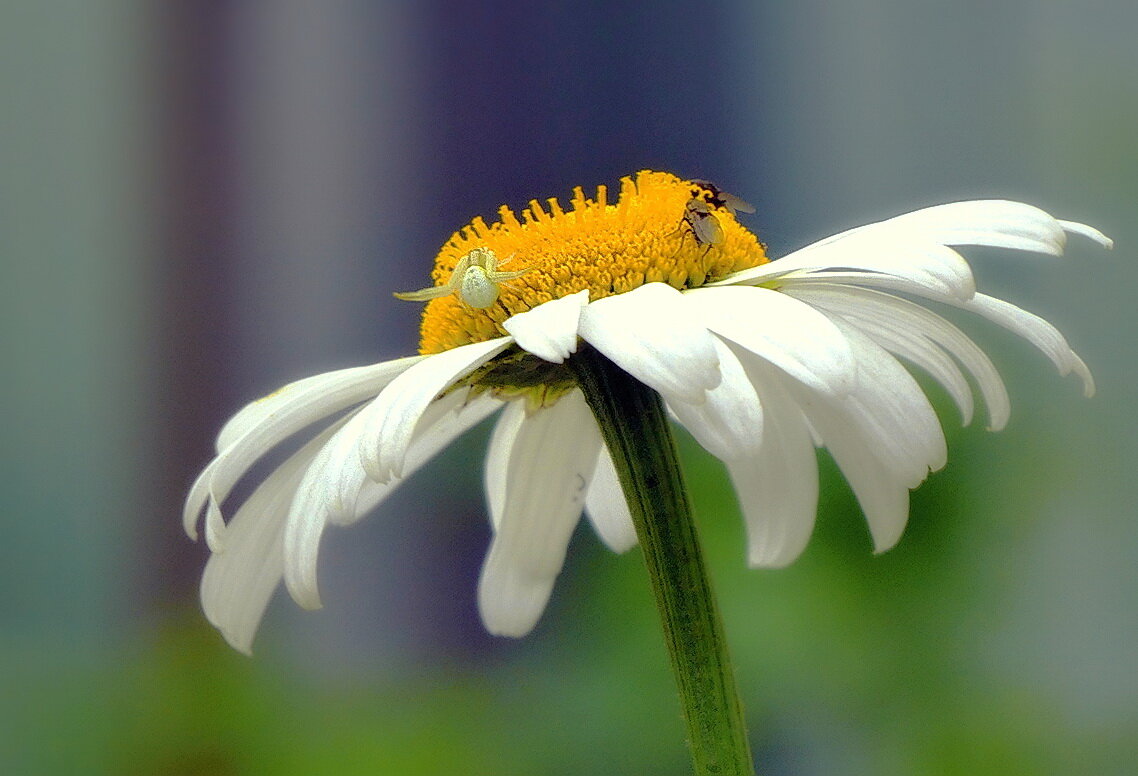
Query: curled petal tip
[1089, 232]
[214, 528]
[191, 514]
[306, 594]
[310, 604]
[1080, 368]
[762, 561]
[994, 427]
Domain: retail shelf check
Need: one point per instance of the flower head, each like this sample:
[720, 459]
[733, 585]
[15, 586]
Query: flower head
[761, 361]
[602, 248]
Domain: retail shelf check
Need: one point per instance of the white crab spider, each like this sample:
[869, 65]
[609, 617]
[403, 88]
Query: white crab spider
[475, 279]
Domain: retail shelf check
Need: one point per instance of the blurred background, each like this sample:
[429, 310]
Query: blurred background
[201, 201]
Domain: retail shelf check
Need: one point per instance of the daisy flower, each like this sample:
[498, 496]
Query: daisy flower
[761, 361]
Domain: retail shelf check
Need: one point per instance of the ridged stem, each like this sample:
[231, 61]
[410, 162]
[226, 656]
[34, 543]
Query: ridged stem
[636, 430]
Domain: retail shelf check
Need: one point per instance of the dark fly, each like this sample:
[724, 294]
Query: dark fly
[699, 212]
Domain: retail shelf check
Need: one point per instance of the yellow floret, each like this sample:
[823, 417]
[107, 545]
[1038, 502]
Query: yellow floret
[606, 248]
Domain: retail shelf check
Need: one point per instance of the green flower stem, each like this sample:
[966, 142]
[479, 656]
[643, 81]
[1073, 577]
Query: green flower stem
[635, 427]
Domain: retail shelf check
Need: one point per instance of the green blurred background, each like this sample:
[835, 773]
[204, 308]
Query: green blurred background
[201, 201]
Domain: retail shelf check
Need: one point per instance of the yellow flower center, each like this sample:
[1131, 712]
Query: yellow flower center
[652, 234]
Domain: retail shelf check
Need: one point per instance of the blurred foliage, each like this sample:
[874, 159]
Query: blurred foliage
[849, 663]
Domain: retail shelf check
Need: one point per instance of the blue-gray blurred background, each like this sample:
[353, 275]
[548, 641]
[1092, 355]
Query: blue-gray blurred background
[201, 201]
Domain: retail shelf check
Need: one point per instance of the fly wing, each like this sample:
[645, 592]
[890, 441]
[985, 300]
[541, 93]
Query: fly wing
[736, 204]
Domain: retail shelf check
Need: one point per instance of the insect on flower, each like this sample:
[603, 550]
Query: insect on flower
[475, 279]
[699, 212]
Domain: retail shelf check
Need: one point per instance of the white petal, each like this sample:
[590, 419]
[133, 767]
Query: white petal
[443, 422]
[238, 583]
[777, 487]
[881, 491]
[607, 508]
[214, 527]
[495, 473]
[332, 484]
[1031, 327]
[918, 349]
[912, 246]
[895, 412]
[730, 423]
[330, 392]
[1089, 232]
[789, 334]
[869, 444]
[908, 285]
[884, 501]
[915, 260]
[1036, 331]
[995, 223]
[335, 490]
[990, 222]
[650, 333]
[320, 490]
[196, 499]
[390, 420]
[431, 437]
[918, 334]
[552, 458]
[549, 330]
[263, 425]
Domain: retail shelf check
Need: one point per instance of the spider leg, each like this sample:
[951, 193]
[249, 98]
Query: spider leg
[498, 277]
[434, 292]
[425, 294]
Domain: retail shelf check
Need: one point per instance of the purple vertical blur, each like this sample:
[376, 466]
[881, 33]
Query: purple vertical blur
[193, 63]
